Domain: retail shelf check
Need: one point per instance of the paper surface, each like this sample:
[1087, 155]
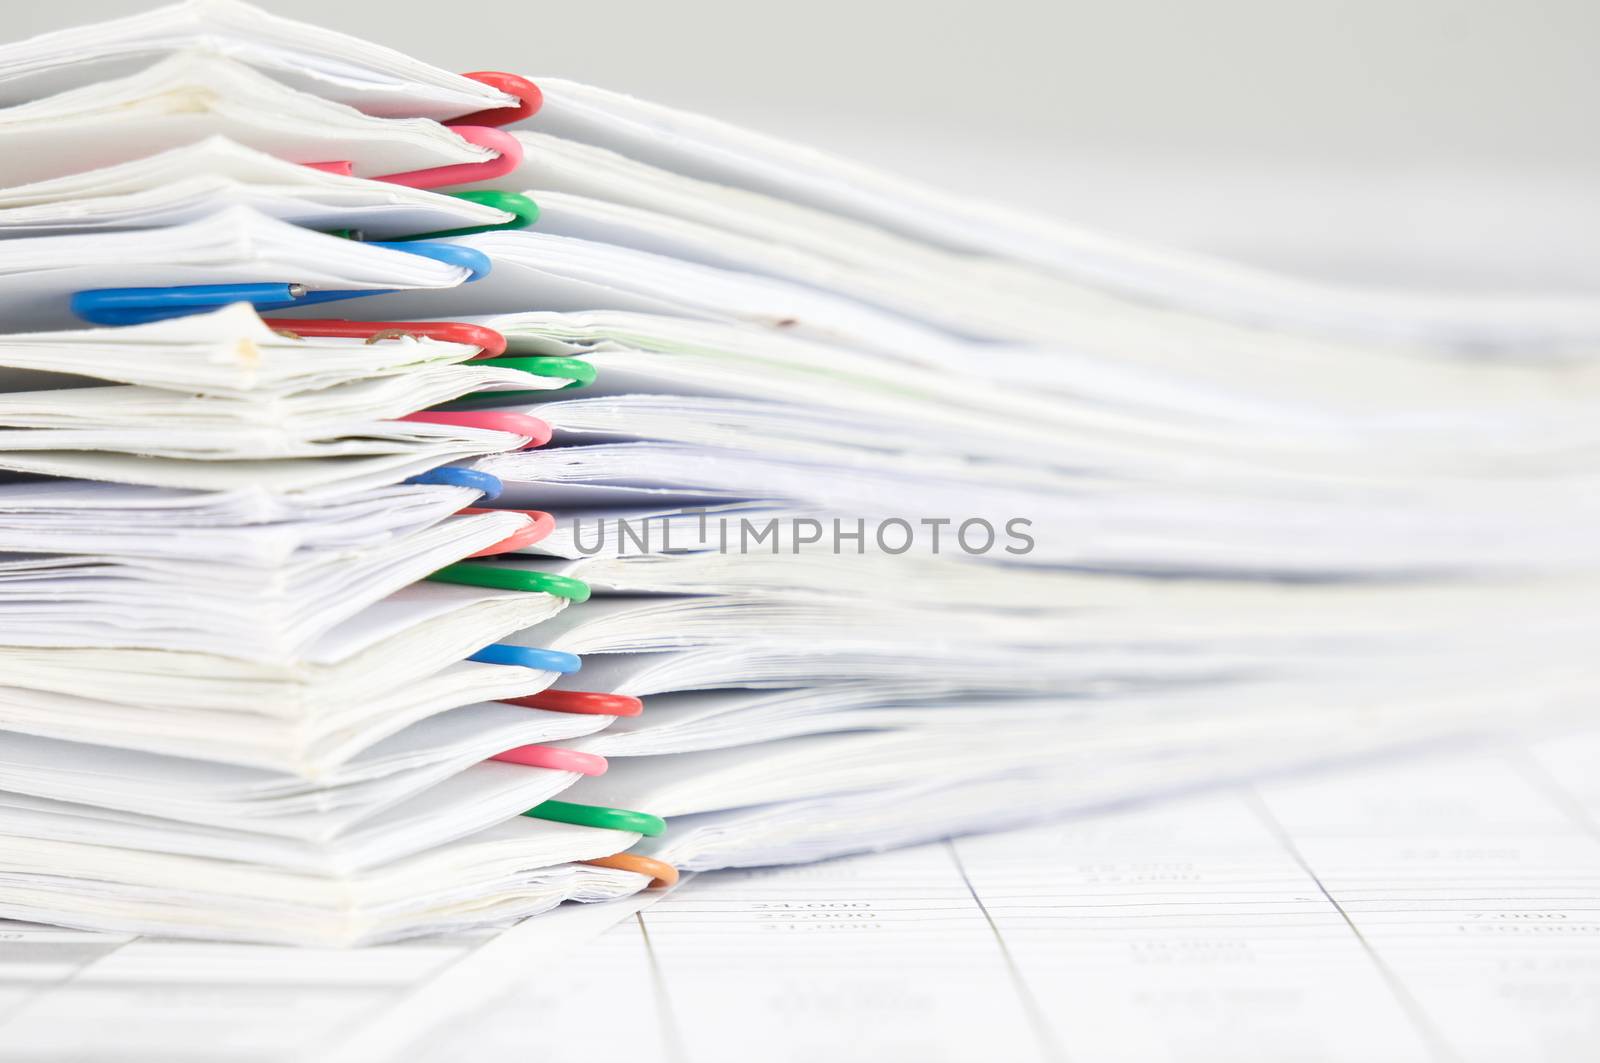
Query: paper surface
[1433, 909]
[182, 1000]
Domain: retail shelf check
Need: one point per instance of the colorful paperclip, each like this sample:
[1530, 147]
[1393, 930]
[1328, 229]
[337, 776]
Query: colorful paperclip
[662, 874]
[529, 100]
[486, 484]
[540, 524]
[536, 432]
[134, 306]
[554, 758]
[480, 128]
[577, 372]
[478, 574]
[539, 660]
[507, 157]
[599, 816]
[490, 344]
[581, 702]
[523, 210]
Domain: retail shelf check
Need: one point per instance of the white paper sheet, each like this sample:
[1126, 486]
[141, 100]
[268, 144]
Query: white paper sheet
[1432, 909]
[1416, 909]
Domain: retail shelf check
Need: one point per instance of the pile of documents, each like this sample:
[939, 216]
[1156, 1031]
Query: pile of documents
[429, 498]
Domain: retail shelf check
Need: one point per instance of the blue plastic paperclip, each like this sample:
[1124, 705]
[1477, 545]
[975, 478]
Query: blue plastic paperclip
[459, 476]
[528, 657]
[135, 306]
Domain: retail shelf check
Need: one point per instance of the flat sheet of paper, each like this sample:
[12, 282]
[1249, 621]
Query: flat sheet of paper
[1434, 909]
[1440, 907]
[155, 999]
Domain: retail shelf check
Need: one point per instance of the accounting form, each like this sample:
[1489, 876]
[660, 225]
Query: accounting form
[1434, 907]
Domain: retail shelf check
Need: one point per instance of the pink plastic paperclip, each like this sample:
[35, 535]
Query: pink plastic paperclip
[555, 758]
[509, 157]
[540, 525]
[537, 431]
[343, 169]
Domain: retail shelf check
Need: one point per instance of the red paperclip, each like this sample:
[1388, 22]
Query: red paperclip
[582, 702]
[540, 524]
[343, 169]
[537, 431]
[555, 758]
[508, 158]
[490, 343]
[529, 100]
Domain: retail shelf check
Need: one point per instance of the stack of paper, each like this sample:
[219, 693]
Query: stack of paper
[377, 560]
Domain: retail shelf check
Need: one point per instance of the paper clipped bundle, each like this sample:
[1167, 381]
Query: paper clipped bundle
[423, 506]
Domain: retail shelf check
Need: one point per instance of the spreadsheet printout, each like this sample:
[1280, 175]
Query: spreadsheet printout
[1438, 907]
[1445, 907]
[77, 995]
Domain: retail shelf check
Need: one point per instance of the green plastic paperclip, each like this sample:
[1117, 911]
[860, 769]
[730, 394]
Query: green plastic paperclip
[525, 209]
[473, 574]
[578, 371]
[599, 816]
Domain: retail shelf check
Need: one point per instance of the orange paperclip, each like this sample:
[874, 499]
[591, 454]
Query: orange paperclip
[662, 874]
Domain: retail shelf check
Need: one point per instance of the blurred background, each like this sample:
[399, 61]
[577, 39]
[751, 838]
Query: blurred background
[1413, 143]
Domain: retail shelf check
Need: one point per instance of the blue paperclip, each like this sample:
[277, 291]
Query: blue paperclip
[460, 476]
[135, 306]
[528, 657]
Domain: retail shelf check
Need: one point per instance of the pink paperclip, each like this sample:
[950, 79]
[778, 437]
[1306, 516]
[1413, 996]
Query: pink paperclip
[509, 157]
[540, 525]
[555, 758]
[520, 424]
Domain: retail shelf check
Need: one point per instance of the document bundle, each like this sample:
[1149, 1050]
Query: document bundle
[426, 498]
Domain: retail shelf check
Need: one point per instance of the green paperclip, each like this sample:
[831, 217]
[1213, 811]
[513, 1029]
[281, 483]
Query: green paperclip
[473, 574]
[599, 816]
[576, 370]
[578, 373]
[525, 209]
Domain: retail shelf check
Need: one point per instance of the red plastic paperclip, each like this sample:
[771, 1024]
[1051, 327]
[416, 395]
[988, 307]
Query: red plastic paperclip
[490, 343]
[529, 100]
[582, 702]
[343, 169]
[555, 758]
[540, 524]
[537, 431]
